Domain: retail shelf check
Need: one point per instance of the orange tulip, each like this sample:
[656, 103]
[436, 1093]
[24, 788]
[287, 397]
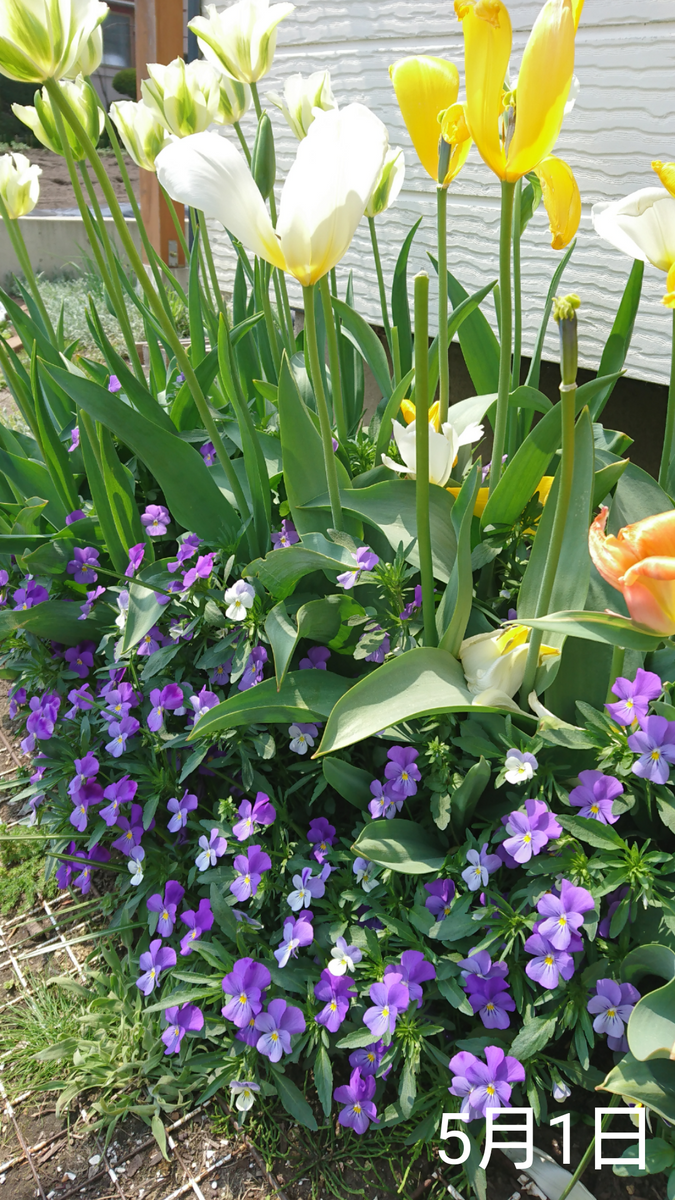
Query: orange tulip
[640, 563]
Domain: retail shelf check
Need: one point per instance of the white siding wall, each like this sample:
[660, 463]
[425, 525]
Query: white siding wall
[624, 117]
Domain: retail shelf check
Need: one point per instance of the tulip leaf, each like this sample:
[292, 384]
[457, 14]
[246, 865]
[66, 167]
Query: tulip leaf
[92, 463]
[282, 569]
[529, 397]
[304, 696]
[637, 496]
[384, 433]
[32, 478]
[400, 305]
[452, 614]
[348, 781]
[139, 396]
[459, 314]
[618, 342]
[53, 450]
[54, 619]
[479, 345]
[535, 364]
[650, 1083]
[144, 610]
[598, 627]
[465, 797]
[653, 959]
[367, 343]
[605, 479]
[191, 494]
[401, 845]
[318, 619]
[651, 1026]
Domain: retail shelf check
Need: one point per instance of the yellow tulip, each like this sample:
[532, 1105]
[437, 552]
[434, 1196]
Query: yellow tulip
[455, 131]
[515, 131]
[542, 491]
[424, 88]
[409, 413]
[562, 200]
[666, 173]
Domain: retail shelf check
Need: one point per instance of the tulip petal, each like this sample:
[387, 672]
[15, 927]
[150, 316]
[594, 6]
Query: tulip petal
[424, 87]
[208, 173]
[611, 558]
[666, 174]
[487, 49]
[651, 537]
[544, 82]
[641, 225]
[562, 200]
[577, 8]
[649, 591]
[327, 189]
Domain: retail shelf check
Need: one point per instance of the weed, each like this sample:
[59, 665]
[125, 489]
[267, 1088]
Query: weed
[48, 1015]
[21, 871]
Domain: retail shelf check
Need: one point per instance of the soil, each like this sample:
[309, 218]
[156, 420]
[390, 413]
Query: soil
[56, 190]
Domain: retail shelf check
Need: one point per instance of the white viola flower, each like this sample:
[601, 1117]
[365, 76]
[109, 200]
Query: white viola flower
[245, 1093]
[443, 449]
[239, 598]
[123, 605]
[135, 865]
[520, 766]
[302, 737]
[561, 1091]
[343, 958]
[365, 872]
[241, 39]
[302, 95]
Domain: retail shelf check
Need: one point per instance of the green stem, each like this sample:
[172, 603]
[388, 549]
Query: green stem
[243, 142]
[443, 363]
[380, 280]
[265, 272]
[312, 349]
[517, 291]
[669, 436]
[566, 476]
[23, 258]
[396, 355]
[59, 101]
[208, 255]
[285, 314]
[618, 655]
[256, 100]
[505, 332]
[422, 456]
[180, 233]
[334, 361]
[589, 1152]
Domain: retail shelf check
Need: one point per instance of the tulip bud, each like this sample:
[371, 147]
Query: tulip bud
[389, 183]
[19, 185]
[242, 39]
[84, 103]
[184, 98]
[49, 39]
[235, 100]
[564, 312]
[263, 158]
[301, 96]
[142, 135]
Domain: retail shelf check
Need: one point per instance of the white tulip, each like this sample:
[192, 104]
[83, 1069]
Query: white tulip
[142, 135]
[242, 39]
[443, 449]
[322, 201]
[183, 97]
[302, 95]
[235, 100]
[19, 186]
[89, 55]
[84, 103]
[642, 225]
[45, 39]
[494, 663]
[389, 184]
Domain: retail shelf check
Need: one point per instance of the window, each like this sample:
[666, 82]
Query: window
[117, 40]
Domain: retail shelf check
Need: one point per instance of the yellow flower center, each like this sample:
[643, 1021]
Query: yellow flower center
[595, 808]
[242, 998]
[177, 1030]
[152, 973]
[562, 921]
[490, 1089]
[357, 1108]
[333, 1006]
[490, 1006]
[385, 1011]
[527, 837]
[611, 1012]
[549, 960]
[275, 1036]
[655, 755]
[404, 776]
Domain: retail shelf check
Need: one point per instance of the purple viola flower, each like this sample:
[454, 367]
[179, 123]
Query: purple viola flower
[321, 835]
[80, 658]
[186, 550]
[117, 793]
[413, 605]
[166, 906]
[212, 848]
[385, 803]
[613, 1003]
[245, 984]
[262, 812]
[415, 970]
[83, 565]
[307, 888]
[30, 595]
[563, 913]
[136, 554]
[365, 560]
[481, 866]
[180, 810]
[478, 968]
[655, 743]
[520, 766]
[317, 659]
[302, 737]
[150, 642]
[389, 998]
[276, 1027]
[337, 991]
[548, 963]
[201, 702]
[208, 453]
[119, 733]
[132, 830]
[529, 831]
[81, 700]
[180, 1020]
[441, 894]
[614, 900]
[117, 706]
[74, 441]
[79, 815]
[86, 768]
[198, 922]
[253, 672]
[155, 960]
[368, 1058]
[484, 1085]
[357, 1097]
[65, 870]
[401, 772]
[155, 519]
[17, 698]
[201, 570]
[492, 1002]
[634, 697]
[97, 854]
[298, 931]
[595, 797]
[166, 699]
[378, 655]
[114, 384]
[221, 673]
[287, 536]
[42, 717]
[250, 868]
[76, 515]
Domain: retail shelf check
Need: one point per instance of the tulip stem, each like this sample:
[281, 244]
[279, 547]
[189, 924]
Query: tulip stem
[443, 362]
[565, 480]
[180, 233]
[208, 255]
[668, 453]
[422, 456]
[23, 258]
[312, 351]
[589, 1152]
[280, 288]
[334, 361]
[514, 432]
[505, 333]
[380, 280]
[618, 655]
[59, 102]
[243, 142]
